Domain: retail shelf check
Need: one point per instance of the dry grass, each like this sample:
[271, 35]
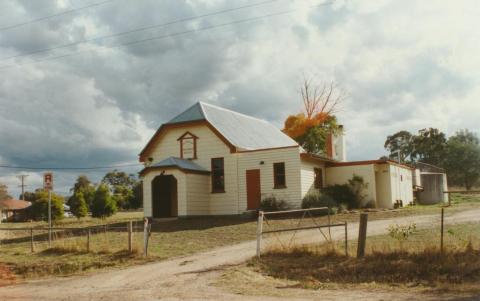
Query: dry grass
[169, 239]
[416, 262]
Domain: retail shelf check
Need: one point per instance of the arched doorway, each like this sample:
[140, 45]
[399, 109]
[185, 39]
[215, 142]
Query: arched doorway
[164, 196]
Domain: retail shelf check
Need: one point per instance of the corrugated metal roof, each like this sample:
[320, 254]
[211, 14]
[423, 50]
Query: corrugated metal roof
[245, 132]
[180, 163]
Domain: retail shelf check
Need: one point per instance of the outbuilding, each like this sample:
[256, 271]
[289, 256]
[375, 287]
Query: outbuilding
[389, 184]
[433, 184]
[12, 209]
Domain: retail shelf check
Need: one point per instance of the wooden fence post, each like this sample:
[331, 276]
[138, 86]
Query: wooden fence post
[145, 237]
[362, 235]
[346, 239]
[129, 236]
[441, 231]
[329, 230]
[88, 240]
[32, 247]
[259, 232]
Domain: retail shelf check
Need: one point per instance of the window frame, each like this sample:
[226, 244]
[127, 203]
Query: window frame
[277, 185]
[213, 175]
[318, 171]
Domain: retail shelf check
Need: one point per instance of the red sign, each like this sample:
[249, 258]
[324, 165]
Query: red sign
[48, 181]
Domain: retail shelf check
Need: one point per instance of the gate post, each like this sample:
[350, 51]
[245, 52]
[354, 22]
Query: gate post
[362, 235]
[259, 232]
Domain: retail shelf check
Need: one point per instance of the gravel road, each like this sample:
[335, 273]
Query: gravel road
[190, 278]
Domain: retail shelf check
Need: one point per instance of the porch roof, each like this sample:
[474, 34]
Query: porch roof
[182, 164]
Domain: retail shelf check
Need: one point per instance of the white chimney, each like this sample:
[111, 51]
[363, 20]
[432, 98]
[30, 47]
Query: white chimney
[339, 146]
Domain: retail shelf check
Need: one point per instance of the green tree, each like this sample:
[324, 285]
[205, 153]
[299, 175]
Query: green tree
[39, 208]
[429, 146]
[137, 201]
[400, 143]
[315, 138]
[86, 187]
[463, 159]
[122, 186]
[78, 205]
[4, 192]
[28, 196]
[103, 203]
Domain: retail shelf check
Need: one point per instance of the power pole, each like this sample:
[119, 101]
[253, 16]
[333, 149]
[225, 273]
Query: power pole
[22, 179]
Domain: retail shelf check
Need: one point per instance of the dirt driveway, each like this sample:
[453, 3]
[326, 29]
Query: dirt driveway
[190, 278]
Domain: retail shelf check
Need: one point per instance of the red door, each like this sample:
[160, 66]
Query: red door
[253, 189]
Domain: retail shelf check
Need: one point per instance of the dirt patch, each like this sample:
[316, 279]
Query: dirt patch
[7, 277]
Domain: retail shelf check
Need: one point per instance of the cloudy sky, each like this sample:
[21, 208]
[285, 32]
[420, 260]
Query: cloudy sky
[405, 65]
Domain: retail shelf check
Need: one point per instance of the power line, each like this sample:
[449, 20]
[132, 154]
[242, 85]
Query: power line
[69, 168]
[164, 36]
[187, 19]
[55, 15]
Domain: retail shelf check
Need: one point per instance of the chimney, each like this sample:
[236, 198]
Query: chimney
[330, 146]
[340, 148]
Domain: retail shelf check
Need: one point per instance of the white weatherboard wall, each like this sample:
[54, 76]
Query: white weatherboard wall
[307, 175]
[341, 175]
[208, 146]
[383, 184]
[252, 160]
[401, 184]
[198, 194]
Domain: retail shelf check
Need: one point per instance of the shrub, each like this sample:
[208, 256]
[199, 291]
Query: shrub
[78, 205]
[271, 203]
[342, 194]
[358, 186]
[351, 194]
[103, 203]
[314, 199]
[402, 232]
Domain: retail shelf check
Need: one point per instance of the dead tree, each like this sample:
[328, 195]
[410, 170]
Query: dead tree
[321, 98]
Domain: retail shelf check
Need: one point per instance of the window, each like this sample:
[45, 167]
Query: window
[188, 146]
[218, 175]
[318, 178]
[279, 175]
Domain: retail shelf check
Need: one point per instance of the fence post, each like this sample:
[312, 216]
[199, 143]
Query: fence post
[259, 232]
[145, 237]
[441, 231]
[329, 231]
[88, 240]
[362, 235]
[129, 236]
[32, 247]
[346, 239]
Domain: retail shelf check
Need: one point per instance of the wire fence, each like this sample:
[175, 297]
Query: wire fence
[129, 236]
[286, 229]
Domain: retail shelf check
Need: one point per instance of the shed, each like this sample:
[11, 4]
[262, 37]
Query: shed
[433, 181]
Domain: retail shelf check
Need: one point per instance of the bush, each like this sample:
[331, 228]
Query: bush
[351, 194]
[103, 203]
[314, 199]
[358, 186]
[272, 204]
[342, 194]
[78, 205]
[39, 208]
